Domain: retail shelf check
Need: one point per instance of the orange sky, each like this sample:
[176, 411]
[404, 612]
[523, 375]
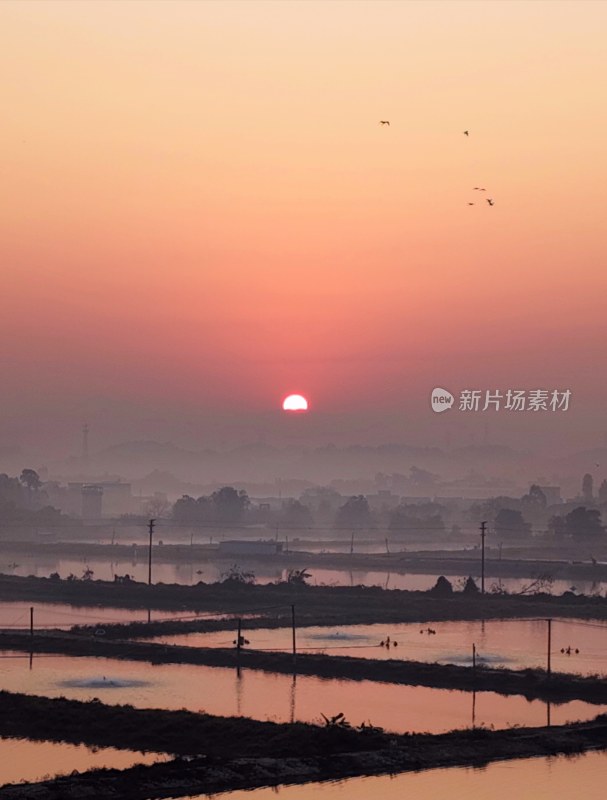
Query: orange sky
[200, 212]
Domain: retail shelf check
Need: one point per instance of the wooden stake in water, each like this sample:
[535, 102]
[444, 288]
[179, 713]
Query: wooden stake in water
[32, 622]
[293, 631]
[483, 534]
[548, 655]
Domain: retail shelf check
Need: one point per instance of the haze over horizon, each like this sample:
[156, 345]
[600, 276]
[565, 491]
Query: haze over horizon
[201, 213]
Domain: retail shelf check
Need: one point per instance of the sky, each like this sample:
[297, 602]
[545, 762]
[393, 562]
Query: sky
[200, 213]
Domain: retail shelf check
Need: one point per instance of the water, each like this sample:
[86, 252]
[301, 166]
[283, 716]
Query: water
[267, 696]
[190, 573]
[515, 644]
[16, 615]
[553, 778]
[25, 760]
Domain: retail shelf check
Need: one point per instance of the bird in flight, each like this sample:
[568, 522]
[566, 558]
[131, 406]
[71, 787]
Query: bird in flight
[479, 189]
[490, 201]
[466, 133]
[384, 122]
[470, 204]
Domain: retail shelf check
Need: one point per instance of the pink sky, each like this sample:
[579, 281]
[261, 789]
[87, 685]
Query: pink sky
[200, 212]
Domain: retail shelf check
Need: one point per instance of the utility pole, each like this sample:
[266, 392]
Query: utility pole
[483, 534]
[548, 654]
[31, 622]
[151, 528]
[294, 644]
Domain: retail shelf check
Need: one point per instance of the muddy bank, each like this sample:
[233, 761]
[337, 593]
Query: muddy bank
[320, 605]
[296, 753]
[531, 683]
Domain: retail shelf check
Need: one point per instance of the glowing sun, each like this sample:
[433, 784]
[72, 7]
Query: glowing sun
[295, 402]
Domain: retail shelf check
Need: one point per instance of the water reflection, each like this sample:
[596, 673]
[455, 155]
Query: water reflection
[266, 696]
[191, 572]
[21, 759]
[16, 615]
[553, 778]
[578, 646]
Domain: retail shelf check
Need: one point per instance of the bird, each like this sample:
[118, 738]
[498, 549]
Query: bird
[466, 133]
[490, 201]
[384, 122]
[470, 204]
[479, 189]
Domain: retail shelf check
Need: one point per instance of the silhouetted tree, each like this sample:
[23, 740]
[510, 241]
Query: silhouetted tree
[11, 492]
[229, 504]
[237, 575]
[30, 479]
[488, 509]
[295, 513]
[534, 504]
[298, 577]
[187, 510]
[323, 501]
[157, 506]
[355, 513]
[442, 588]
[417, 518]
[511, 523]
[582, 522]
[470, 586]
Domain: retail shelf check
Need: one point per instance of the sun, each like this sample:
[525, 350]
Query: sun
[295, 402]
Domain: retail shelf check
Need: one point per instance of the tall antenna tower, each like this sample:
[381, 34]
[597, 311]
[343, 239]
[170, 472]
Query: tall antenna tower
[85, 443]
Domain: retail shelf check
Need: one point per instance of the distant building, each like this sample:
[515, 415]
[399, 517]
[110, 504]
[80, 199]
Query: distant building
[97, 498]
[244, 548]
[117, 498]
[92, 501]
[552, 494]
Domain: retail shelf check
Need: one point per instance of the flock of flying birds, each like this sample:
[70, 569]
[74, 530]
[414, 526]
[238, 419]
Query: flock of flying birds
[489, 200]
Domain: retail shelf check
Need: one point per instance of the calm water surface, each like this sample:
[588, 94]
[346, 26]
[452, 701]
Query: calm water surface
[16, 615]
[210, 572]
[24, 760]
[266, 696]
[511, 643]
[555, 778]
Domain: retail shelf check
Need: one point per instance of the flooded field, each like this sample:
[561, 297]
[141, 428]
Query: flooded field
[267, 696]
[24, 760]
[515, 644]
[553, 778]
[16, 615]
[187, 573]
